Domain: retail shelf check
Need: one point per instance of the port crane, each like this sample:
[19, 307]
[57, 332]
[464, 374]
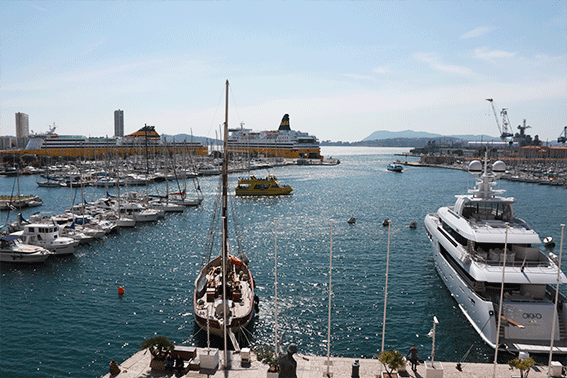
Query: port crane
[563, 136]
[506, 129]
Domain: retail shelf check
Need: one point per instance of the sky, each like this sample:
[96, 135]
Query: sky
[340, 69]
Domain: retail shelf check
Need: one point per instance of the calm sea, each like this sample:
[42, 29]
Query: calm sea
[65, 318]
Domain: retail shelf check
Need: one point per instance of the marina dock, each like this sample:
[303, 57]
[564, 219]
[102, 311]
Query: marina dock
[309, 366]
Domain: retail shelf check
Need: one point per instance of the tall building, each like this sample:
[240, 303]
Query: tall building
[119, 123]
[22, 129]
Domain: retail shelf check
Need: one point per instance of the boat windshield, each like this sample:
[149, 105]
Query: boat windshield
[488, 211]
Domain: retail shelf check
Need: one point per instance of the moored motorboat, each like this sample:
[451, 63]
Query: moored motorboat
[480, 247]
[12, 250]
[47, 236]
[267, 186]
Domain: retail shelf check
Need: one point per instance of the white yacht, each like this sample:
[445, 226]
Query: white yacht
[478, 243]
[138, 212]
[14, 251]
[47, 236]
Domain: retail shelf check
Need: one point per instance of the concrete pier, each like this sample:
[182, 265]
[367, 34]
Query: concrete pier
[316, 367]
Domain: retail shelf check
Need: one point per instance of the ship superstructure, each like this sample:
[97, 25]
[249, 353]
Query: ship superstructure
[284, 142]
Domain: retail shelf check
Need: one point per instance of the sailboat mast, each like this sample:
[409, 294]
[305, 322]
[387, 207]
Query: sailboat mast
[225, 228]
[225, 171]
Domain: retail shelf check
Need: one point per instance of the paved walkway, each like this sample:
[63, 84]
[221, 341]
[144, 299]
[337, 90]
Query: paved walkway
[138, 366]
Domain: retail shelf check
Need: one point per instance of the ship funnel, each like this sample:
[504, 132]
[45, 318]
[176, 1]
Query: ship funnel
[284, 126]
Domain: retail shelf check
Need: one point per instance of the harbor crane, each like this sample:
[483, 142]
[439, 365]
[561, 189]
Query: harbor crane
[506, 129]
[563, 136]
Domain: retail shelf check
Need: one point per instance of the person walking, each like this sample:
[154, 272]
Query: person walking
[413, 357]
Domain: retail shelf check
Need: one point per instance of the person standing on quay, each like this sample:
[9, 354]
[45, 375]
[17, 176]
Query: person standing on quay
[413, 357]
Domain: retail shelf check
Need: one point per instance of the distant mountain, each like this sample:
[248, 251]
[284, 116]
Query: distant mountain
[383, 134]
[189, 138]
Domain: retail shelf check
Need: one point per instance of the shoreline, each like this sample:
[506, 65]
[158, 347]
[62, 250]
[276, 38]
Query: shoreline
[550, 173]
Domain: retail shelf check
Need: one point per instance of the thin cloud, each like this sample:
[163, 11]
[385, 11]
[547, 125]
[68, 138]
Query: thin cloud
[90, 48]
[477, 32]
[435, 62]
[359, 77]
[382, 70]
[485, 54]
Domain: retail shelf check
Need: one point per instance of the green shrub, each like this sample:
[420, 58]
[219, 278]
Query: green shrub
[392, 360]
[523, 366]
[266, 355]
[158, 346]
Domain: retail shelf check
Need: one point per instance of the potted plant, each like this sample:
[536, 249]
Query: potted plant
[523, 365]
[159, 347]
[266, 355]
[392, 360]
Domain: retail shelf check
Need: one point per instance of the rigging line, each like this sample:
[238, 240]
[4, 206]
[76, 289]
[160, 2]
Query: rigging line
[211, 237]
[243, 333]
[232, 97]
[216, 112]
[466, 354]
[10, 203]
[237, 226]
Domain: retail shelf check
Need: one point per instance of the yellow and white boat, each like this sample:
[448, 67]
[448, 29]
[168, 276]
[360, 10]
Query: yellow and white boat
[268, 186]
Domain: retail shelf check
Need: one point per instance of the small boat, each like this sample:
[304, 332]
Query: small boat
[395, 167]
[12, 250]
[268, 186]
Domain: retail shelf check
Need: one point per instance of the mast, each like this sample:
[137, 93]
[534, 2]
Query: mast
[225, 228]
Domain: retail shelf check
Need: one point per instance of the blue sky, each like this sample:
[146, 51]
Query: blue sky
[341, 70]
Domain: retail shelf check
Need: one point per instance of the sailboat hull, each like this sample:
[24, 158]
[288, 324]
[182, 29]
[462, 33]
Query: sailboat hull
[208, 298]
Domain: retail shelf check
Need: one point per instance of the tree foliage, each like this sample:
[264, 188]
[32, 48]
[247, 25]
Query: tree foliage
[392, 360]
[158, 346]
[523, 366]
[266, 355]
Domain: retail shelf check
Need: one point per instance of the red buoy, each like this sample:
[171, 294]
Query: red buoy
[120, 290]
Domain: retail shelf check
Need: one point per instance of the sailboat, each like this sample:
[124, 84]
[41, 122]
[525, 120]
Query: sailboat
[224, 300]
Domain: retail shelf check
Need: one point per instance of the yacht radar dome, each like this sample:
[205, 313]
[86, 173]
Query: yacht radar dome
[499, 167]
[475, 166]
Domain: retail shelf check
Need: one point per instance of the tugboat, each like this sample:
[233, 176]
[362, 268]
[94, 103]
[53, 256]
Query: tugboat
[268, 186]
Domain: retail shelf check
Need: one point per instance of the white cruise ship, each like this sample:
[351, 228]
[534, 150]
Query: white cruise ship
[477, 244]
[53, 144]
[284, 142]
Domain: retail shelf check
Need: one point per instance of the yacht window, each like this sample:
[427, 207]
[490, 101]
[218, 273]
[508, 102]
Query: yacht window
[484, 211]
[458, 237]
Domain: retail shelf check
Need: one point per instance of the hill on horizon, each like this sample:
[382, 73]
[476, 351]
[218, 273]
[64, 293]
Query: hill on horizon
[384, 134]
[189, 138]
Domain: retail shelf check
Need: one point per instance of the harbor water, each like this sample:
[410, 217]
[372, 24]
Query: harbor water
[65, 317]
